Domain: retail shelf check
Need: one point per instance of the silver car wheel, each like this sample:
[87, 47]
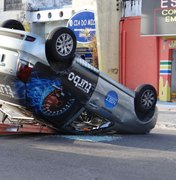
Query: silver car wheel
[145, 99]
[64, 44]
[148, 99]
[60, 48]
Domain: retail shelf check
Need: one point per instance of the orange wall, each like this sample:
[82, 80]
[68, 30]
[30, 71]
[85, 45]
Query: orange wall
[139, 61]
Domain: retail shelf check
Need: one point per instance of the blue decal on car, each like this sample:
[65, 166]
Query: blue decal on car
[46, 96]
[111, 99]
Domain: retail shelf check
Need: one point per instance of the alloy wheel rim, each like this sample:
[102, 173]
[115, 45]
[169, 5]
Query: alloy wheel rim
[64, 44]
[148, 99]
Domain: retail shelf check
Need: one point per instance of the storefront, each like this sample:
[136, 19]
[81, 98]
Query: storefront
[148, 48]
[167, 75]
[159, 19]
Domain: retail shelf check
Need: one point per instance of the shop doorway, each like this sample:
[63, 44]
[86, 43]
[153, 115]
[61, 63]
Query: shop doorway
[173, 77]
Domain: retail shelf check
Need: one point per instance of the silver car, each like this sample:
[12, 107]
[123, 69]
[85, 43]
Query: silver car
[63, 91]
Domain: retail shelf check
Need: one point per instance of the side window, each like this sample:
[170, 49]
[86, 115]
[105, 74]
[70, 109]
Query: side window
[12, 5]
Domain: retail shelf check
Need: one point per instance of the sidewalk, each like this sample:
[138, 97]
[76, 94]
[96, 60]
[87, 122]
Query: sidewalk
[166, 106]
[166, 115]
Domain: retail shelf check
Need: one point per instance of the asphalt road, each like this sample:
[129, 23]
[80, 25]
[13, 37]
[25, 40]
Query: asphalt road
[117, 157]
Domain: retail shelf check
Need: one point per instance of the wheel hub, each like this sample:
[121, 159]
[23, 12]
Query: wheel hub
[148, 99]
[64, 44]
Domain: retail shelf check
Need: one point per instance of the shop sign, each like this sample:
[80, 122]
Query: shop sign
[158, 17]
[83, 25]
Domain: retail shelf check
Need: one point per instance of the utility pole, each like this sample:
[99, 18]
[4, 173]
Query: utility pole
[108, 15]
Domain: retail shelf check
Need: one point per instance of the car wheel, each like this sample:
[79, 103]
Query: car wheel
[145, 98]
[60, 47]
[13, 24]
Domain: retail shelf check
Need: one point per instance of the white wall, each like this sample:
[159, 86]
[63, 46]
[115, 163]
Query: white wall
[4, 15]
[132, 8]
[46, 4]
[83, 4]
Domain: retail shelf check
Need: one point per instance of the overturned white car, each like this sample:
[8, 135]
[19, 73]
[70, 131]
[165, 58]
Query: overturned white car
[47, 78]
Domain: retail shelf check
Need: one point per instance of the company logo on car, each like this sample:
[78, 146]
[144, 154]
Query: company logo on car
[80, 82]
[111, 99]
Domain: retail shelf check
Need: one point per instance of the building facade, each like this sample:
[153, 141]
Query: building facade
[12, 9]
[153, 55]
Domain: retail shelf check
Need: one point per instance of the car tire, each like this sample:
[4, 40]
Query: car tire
[145, 98]
[13, 24]
[60, 48]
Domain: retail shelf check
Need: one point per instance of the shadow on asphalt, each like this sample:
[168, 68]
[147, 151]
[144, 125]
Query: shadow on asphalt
[156, 140]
